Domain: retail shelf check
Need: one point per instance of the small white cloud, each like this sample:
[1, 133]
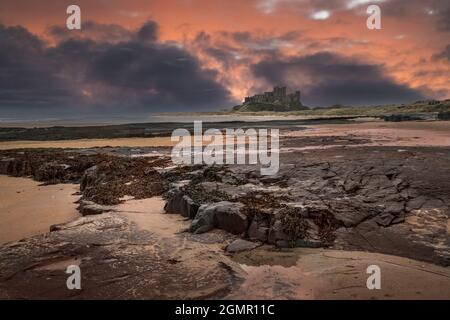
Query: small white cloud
[320, 15]
[430, 12]
[400, 37]
[267, 6]
[270, 6]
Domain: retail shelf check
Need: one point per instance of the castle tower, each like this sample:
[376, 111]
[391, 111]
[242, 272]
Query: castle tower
[279, 93]
[297, 96]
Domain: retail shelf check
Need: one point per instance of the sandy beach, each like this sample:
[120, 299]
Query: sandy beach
[330, 274]
[380, 133]
[414, 133]
[140, 233]
[89, 143]
[28, 209]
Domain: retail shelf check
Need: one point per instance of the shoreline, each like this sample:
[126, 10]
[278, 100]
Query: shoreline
[353, 194]
[27, 208]
[262, 273]
[381, 133]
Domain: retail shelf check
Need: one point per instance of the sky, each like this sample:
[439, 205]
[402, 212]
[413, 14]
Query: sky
[138, 57]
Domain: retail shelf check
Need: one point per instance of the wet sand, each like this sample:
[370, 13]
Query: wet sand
[148, 214]
[89, 143]
[264, 273]
[331, 274]
[407, 134]
[27, 209]
[97, 143]
[299, 273]
[381, 133]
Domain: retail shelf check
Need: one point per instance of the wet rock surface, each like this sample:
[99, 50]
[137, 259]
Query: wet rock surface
[360, 198]
[104, 176]
[223, 215]
[240, 245]
[380, 199]
[118, 260]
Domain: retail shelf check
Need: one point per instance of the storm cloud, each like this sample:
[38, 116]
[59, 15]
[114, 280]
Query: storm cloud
[445, 54]
[326, 78]
[115, 71]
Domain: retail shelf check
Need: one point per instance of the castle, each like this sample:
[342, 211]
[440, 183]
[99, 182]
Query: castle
[277, 96]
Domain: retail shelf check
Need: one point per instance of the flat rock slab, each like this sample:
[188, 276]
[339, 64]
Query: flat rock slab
[118, 260]
[240, 245]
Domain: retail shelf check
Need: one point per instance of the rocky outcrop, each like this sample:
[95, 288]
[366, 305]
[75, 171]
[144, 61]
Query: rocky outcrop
[114, 177]
[113, 254]
[89, 178]
[354, 198]
[329, 198]
[50, 167]
[51, 171]
[178, 202]
[259, 228]
[223, 215]
[277, 235]
[240, 245]
[88, 208]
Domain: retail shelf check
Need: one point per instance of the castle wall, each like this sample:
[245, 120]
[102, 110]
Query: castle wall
[278, 95]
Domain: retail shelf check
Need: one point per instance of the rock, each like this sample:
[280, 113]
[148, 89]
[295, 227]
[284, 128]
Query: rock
[113, 252]
[89, 177]
[17, 167]
[55, 227]
[229, 218]
[181, 204]
[223, 215]
[5, 165]
[189, 207]
[259, 229]
[395, 208]
[87, 208]
[277, 235]
[387, 219]
[416, 203]
[240, 245]
[204, 220]
[51, 171]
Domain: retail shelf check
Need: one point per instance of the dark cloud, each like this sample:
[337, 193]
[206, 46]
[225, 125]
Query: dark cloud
[93, 75]
[258, 43]
[438, 10]
[326, 78]
[27, 76]
[148, 32]
[91, 30]
[445, 54]
[444, 19]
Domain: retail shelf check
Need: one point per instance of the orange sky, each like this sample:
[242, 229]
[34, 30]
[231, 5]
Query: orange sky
[405, 46]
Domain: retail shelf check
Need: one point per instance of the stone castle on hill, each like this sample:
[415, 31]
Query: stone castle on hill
[277, 96]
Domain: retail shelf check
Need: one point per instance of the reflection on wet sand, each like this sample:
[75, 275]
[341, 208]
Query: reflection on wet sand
[331, 274]
[28, 209]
